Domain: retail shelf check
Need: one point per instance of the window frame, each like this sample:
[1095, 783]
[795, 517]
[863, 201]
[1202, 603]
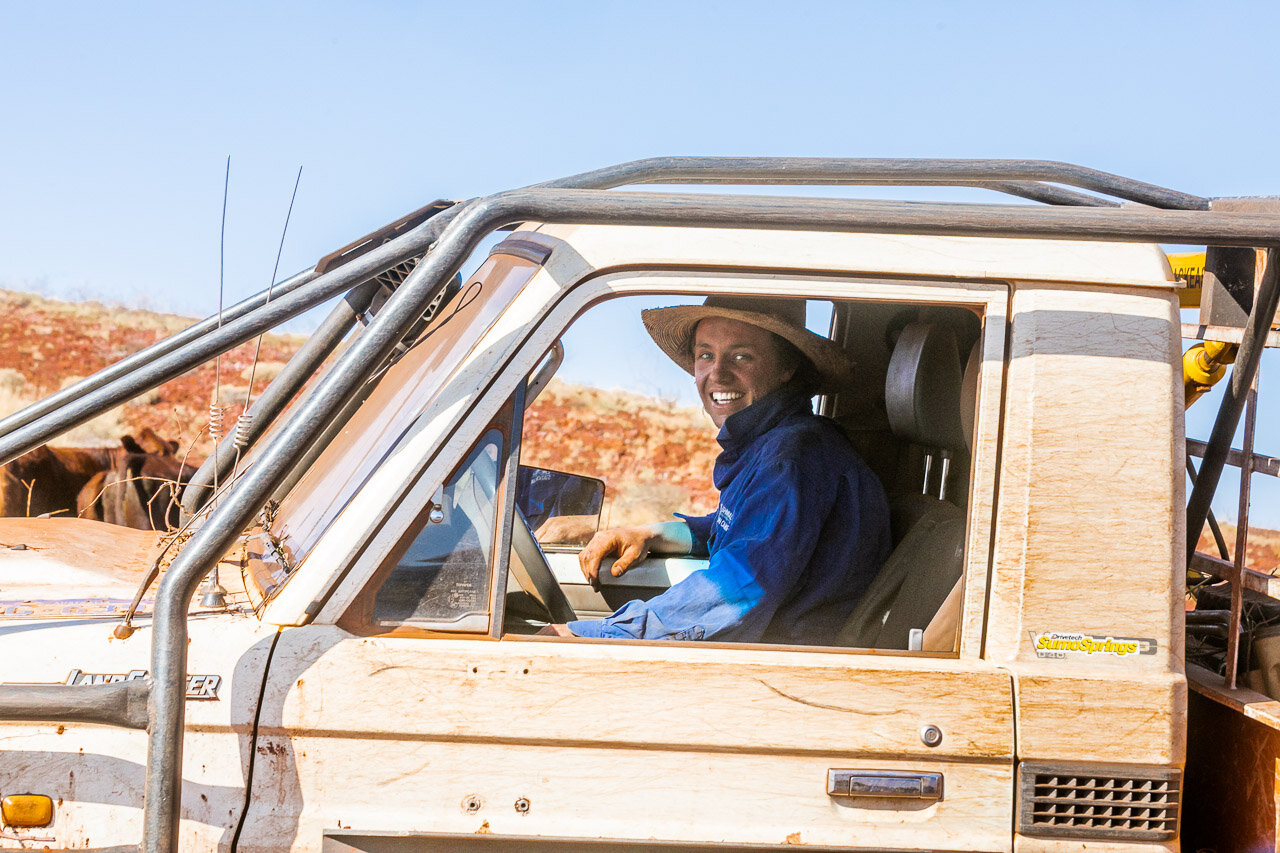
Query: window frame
[536, 319]
[358, 617]
[992, 312]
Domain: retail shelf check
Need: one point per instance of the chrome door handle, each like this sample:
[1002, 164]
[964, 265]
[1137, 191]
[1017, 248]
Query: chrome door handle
[884, 783]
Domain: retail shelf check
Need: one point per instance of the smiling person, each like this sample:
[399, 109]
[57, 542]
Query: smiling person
[802, 526]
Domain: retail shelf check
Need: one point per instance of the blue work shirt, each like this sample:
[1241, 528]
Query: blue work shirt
[801, 530]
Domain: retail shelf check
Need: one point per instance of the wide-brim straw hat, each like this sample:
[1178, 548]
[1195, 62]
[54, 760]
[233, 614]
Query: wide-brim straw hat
[673, 329]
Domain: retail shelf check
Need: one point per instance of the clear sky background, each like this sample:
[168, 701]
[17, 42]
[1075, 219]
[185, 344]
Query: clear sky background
[116, 119]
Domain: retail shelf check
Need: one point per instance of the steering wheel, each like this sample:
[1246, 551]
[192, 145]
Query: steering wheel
[531, 571]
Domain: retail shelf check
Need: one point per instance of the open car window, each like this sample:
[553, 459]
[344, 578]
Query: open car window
[617, 437]
[644, 434]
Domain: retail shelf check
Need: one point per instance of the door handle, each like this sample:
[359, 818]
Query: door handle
[884, 784]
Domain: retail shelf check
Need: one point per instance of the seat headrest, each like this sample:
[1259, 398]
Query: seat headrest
[922, 388]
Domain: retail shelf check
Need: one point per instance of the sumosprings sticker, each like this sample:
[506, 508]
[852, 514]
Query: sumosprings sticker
[1058, 645]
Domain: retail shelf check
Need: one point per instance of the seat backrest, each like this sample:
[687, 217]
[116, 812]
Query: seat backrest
[923, 394]
[913, 582]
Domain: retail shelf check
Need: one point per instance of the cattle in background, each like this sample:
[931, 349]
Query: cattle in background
[141, 487]
[47, 480]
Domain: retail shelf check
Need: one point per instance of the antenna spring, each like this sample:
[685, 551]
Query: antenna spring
[218, 420]
[244, 425]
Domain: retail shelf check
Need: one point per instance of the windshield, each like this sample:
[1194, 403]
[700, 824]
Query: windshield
[400, 398]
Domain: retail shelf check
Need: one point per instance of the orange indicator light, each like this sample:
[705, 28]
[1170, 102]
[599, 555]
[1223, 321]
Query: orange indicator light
[27, 810]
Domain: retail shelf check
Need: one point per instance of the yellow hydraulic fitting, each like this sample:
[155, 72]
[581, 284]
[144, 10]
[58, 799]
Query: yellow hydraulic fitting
[1203, 365]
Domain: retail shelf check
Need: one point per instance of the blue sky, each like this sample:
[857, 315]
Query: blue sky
[116, 119]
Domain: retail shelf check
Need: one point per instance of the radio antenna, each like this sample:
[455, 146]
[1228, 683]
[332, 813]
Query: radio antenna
[217, 412]
[214, 594]
[245, 422]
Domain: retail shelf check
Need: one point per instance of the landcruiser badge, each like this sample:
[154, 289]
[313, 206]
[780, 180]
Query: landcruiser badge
[198, 686]
[1057, 645]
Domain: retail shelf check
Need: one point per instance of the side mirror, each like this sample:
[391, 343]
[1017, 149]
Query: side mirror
[563, 510]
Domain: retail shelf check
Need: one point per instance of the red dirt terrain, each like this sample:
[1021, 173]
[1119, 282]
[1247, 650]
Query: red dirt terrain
[1262, 551]
[46, 345]
[657, 458]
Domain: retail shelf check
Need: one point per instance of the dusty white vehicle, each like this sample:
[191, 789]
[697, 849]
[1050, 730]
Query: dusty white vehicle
[366, 677]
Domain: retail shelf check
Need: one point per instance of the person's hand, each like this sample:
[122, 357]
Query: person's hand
[566, 530]
[556, 630]
[629, 544]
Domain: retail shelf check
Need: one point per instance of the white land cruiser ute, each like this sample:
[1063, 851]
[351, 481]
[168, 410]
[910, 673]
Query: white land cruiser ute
[361, 672]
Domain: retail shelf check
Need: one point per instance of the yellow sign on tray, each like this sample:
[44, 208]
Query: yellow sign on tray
[1190, 269]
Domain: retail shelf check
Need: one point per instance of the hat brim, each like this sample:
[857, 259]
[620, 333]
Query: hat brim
[672, 329]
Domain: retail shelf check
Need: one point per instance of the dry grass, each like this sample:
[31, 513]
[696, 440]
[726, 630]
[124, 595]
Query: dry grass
[103, 430]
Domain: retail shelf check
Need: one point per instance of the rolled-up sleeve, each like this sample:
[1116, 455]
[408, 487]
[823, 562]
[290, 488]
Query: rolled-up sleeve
[700, 529]
[763, 545]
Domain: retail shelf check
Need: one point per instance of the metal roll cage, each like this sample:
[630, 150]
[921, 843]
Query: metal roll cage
[439, 246]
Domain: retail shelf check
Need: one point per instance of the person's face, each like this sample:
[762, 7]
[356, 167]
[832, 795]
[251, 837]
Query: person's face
[735, 364]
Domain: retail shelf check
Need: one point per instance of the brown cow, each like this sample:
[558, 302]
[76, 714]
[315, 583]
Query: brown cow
[141, 489]
[48, 479]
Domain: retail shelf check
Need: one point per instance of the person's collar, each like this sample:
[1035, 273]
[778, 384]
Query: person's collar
[744, 427]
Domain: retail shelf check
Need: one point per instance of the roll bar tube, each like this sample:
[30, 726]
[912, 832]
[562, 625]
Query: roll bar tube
[122, 704]
[116, 384]
[747, 171]
[24, 416]
[1019, 177]
[170, 365]
[282, 389]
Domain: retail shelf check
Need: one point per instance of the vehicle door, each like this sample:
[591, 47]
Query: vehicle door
[408, 710]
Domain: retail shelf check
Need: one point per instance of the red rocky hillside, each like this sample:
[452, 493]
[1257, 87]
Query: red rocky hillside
[656, 458]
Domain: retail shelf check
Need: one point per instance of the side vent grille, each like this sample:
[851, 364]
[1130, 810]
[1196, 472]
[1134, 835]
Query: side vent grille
[1122, 802]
